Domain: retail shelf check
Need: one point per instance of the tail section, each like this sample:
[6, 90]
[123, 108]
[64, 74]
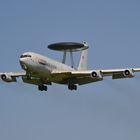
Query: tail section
[83, 60]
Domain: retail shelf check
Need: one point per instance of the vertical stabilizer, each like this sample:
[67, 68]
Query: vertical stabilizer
[83, 60]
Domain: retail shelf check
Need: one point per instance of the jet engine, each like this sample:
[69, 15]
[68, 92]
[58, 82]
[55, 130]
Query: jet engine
[128, 73]
[97, 75]
[8, 78]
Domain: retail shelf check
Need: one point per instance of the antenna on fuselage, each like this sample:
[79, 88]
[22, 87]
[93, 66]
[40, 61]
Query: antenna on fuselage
[68, 47]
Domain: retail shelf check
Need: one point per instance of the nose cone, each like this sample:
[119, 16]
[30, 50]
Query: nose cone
[23, 63]
[21, 60]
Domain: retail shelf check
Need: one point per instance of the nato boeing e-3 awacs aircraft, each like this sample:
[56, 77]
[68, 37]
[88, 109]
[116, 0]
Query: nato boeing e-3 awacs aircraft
[42, 71]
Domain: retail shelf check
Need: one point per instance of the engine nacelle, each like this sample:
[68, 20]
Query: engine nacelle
[97, 75]
[8, 78]
[128, 73]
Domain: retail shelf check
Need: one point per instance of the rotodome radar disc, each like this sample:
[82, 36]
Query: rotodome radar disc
[67, 46]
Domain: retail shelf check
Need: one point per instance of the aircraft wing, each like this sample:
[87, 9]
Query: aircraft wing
[89, 76]
[76, 77]
[11, 76]
[114, 72]
[15, 74]
[34, 79]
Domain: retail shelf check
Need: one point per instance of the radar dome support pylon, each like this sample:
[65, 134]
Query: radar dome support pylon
[68, 47]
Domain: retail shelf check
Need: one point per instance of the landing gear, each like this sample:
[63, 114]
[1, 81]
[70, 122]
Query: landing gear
[72, 87]
[42, 88]
[29, 75]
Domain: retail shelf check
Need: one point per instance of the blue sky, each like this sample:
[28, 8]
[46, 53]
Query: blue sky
[105, 110]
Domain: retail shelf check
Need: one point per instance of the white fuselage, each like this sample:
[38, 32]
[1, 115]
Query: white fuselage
[40, 65]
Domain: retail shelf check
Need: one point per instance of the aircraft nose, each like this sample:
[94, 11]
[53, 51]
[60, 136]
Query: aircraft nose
[22, 60]
[23, 63]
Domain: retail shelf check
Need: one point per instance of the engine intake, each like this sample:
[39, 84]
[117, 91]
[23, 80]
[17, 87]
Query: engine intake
[94, 74]
[8, 78]
[97, 75]
[128, 73]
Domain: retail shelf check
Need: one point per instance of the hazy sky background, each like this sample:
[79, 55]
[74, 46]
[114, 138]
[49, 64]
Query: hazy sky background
[105, 110]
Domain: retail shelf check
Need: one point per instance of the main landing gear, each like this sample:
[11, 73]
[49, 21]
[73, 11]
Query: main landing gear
[42, 88]
[72, 87]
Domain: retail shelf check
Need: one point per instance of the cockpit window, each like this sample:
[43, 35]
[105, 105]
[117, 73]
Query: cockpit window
[23, 56]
